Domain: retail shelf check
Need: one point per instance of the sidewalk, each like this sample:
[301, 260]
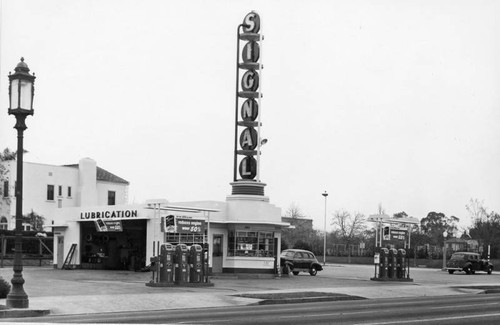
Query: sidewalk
[92, 291]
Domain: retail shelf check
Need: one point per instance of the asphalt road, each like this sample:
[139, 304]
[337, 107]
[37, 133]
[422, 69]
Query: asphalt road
[462, 309]
[457, 308]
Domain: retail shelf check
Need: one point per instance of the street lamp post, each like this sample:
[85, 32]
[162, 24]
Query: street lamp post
[445, 234]
[324, 237]
[21, 91]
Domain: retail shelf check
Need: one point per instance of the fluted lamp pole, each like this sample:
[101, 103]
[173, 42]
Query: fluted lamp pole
[21, 91]
[324, 237]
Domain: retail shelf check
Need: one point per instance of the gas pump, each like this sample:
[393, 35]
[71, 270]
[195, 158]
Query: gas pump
[205, 262]
[392, 263]
[154, 268]
[167, 251]
[383, 265]
[195, 264]
[401, 267]
[181, 263]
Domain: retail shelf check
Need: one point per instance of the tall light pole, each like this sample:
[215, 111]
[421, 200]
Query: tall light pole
[21, 91]
[324, 237]
[445, 234]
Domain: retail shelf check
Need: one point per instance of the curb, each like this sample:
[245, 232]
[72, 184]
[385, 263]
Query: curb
[297, 297]
[496, 290]
[308, 299]
[20, 312]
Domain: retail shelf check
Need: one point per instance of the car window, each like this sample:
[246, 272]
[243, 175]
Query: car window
[287, 254]
[457, 257]
[309, 255]
[298, 255]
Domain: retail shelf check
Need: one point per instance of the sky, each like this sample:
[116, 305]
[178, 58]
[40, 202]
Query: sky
[384, 102]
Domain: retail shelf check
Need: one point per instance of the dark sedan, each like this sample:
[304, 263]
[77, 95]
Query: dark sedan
[469, 263]
[299, 260]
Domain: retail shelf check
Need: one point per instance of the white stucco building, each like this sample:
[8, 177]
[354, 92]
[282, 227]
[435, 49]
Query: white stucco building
[48, 188]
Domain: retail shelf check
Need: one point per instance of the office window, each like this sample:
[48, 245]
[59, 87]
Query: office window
[251, 243]
[111, 197]
[6, 189]
[69, 191]
[50, 192]
[59, 190]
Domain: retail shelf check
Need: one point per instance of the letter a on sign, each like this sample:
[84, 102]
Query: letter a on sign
[248, 139]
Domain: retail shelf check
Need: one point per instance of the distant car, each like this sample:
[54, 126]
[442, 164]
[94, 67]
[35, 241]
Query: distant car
[299, 260]
[468, 262]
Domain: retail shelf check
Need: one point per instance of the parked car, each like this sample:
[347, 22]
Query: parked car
[468, 262]
[299, 260]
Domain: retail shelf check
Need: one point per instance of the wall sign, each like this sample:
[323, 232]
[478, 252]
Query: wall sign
[118, 214]
[182, 225]
[108, 225]
[399, 234]
[248, 126]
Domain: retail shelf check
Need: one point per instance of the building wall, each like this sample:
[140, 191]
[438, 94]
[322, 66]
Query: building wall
[103, 188]
[85, 189]
[69, 219]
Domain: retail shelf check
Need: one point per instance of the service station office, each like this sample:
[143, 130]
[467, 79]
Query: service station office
[243, 234]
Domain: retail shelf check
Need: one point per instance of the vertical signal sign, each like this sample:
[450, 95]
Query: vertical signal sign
[248, 99]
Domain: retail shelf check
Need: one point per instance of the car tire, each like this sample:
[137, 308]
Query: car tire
[473, 272]
[468, 270]
[451, 271]
[489, 270]
[295, 272]
[313, 271]
[286, 269]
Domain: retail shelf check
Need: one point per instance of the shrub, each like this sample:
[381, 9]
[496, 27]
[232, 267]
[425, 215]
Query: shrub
[4, 288]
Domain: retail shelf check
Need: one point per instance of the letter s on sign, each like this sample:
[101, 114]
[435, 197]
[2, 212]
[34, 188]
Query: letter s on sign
[252, 20]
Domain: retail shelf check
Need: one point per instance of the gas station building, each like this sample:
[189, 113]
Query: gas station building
[243, 234]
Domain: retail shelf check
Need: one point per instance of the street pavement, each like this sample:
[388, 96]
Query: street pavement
[64, 292]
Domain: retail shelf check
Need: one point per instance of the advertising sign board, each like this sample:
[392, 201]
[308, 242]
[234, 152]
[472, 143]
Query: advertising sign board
[399, 234]
[108, 225]
[190, 226]
[182, 225]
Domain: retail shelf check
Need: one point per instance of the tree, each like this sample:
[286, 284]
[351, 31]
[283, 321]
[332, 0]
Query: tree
[487, 232]
[476, 209]
[401, 214]
[301, 234]
[35, 220]
[418, 239]
[435, 224]
[485, 225]
[8, 155]
[349, 227]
